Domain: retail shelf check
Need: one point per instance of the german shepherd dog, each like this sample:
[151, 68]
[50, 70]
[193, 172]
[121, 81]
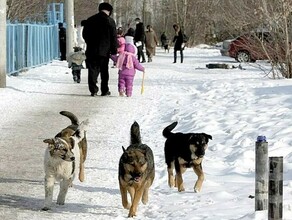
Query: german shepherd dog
[65, 154]
[184, 151]
[136, 171]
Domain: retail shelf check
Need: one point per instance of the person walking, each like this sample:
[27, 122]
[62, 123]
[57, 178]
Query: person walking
[164, 42]
[100, 35]
[127, 63]
[75, 60]
[139, 39]
[178, 41]
[151, 42]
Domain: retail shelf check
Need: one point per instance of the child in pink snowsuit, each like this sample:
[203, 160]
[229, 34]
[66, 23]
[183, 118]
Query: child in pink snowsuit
[127, 63]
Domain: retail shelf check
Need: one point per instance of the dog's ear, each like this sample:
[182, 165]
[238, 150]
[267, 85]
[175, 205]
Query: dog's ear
[49, 141]
[124, 150]
[208, 136]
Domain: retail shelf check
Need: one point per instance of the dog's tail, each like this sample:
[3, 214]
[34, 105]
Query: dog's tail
[71, 116]
[80, 132]
[167, 131]
[135, 133]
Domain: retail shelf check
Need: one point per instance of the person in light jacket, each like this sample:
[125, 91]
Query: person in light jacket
[151, 42]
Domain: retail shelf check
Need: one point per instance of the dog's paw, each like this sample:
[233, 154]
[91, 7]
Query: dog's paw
[131, 214]
[60, 202]
[127, 206]
[46, 209]
[181, 189]
[196, 190]
[145, 200]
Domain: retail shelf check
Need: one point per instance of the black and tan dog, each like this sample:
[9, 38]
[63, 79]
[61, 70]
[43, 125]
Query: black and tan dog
[64, 156]
[184, 151]
[136, 171]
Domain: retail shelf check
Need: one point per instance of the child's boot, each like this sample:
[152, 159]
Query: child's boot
[78, 77]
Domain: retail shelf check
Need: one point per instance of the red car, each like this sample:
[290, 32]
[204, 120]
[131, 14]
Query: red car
[248, 47]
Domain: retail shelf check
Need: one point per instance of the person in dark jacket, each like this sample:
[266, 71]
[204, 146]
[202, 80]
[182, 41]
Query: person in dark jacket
[100, 35]
[139, 39]
[62, 41]
[178, 41]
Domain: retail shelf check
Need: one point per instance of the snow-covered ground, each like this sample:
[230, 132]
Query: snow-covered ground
[232, 105]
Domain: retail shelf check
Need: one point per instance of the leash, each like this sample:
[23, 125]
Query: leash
[142, 86]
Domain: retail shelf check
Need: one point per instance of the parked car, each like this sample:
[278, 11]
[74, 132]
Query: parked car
[248, 47]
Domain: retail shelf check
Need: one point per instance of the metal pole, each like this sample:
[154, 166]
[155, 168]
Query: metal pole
[261, 174]
[3, 43]
[69, 9]
[276, 188]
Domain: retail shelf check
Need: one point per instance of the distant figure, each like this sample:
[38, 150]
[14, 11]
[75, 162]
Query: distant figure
[100, 35]
[127, 63]
[62, 41]
[139, 39]
[75, 60]
[151, 42]
[178, 41]
[164, 42]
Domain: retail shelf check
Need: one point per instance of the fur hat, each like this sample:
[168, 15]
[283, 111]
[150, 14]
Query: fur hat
[137, 19]
[105, 6]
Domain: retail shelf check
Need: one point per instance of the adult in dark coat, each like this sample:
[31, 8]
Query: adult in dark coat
[62, 41]
[178, 41]
[100, 35]
[139, 39]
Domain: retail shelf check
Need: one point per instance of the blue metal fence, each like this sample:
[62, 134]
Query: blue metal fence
[30, 45]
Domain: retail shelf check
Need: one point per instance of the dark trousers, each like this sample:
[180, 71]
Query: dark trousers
[181, 55]
[141, 54]
[96, 66]
[62, 50]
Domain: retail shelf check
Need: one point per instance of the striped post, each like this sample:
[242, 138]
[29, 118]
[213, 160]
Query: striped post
[261, 174]
[276, 188]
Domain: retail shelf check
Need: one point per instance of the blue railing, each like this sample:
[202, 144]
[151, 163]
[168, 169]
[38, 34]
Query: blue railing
[30, 45]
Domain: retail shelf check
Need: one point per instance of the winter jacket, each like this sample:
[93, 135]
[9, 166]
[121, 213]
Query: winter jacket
[178, 41]
[150, 42]
[139, 33]
[128, 65]
[76, 57]
[100, 35]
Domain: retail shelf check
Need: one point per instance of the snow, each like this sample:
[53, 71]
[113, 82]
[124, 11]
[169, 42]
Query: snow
[232, 105]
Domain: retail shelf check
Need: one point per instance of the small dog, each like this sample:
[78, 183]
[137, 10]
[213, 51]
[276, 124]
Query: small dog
[136, 171]
[65, 154]
[183, 151]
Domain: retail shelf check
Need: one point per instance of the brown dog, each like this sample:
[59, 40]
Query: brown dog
[136, 171]
[184, 151]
